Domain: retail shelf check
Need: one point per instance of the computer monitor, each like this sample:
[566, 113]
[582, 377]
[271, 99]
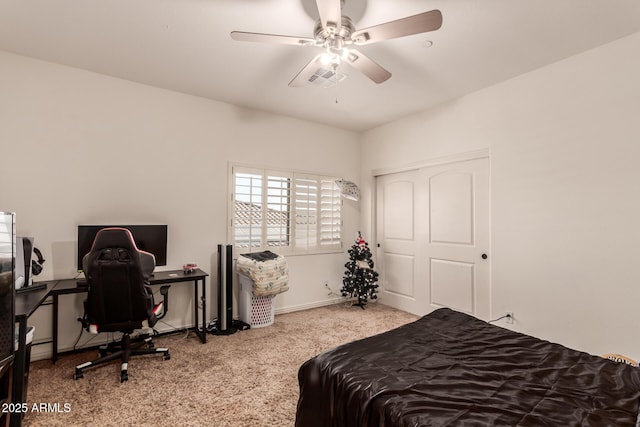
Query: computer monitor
[149, 238]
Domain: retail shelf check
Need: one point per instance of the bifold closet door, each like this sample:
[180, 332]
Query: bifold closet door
[433, 231]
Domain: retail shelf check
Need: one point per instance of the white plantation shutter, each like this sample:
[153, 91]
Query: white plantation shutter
[330, 213]
[247, 209]
[306, 212]
[278, 223]
[317, 212]
[285, 210]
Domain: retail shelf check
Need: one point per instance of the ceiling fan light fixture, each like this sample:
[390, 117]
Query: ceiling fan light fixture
[325, 59]
[330, 58]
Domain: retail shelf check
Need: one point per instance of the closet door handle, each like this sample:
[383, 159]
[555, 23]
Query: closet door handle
[484, 256]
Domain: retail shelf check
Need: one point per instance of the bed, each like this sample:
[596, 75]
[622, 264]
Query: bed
[451, 369]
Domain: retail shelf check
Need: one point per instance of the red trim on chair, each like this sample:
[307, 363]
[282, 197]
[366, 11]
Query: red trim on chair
[158, 308]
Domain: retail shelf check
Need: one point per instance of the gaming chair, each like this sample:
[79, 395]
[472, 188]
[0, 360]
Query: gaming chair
[119, 298]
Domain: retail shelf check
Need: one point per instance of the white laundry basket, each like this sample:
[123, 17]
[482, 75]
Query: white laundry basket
[257, 312]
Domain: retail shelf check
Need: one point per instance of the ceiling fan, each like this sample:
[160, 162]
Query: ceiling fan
[337, 35]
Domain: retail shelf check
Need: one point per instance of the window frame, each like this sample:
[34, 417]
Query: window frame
[327, 208]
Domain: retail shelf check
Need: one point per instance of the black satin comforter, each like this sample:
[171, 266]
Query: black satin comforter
[451, 369]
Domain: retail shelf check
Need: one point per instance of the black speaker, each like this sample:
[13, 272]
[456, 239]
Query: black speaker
[225, 287]
[224, 324]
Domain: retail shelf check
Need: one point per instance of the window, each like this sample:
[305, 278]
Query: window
[285, 210]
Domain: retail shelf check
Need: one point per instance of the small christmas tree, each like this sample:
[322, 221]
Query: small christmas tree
[360, 280]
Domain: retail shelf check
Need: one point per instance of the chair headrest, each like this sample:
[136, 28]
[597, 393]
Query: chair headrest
[114, 237]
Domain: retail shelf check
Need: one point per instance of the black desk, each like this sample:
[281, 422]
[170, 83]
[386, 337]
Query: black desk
[70, 286]
[25, 305]
[28, 302]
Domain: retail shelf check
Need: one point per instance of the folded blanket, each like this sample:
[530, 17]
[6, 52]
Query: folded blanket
[270, 275]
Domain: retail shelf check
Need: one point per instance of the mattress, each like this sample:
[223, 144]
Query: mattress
[451, 369]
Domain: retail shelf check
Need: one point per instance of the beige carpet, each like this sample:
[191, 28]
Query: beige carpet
[246, 379]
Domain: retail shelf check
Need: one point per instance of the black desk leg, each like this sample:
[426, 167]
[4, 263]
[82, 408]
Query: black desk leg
[18, 371]
[54, 355]
[204, 312]
[195, 307]
[200, 332]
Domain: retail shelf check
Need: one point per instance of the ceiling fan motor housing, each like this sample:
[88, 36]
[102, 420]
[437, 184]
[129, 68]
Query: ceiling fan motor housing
[332, 36]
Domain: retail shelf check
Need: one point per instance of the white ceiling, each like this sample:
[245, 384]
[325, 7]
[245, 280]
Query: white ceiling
[184, 45]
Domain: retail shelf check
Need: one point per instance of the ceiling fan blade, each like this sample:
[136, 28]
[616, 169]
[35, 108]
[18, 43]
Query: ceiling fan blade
[330, 13]
[420, 23]
[302, 78]
[367, 66]
[271, 38]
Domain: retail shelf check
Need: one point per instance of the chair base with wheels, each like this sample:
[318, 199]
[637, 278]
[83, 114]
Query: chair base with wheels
[123, 350]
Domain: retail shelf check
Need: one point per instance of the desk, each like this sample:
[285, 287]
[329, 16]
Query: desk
[70, 286]
[25, 305]
[28, 302]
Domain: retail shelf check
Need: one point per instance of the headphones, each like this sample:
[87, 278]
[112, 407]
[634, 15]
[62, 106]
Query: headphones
[36, 265]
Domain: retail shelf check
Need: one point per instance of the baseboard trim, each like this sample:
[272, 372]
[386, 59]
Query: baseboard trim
[308, 306]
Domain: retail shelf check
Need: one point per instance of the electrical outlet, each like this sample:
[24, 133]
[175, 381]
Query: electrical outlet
[331, 292]
[509, 318]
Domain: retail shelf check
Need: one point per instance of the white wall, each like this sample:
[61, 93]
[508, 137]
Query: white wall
[81, 148]
[565, 152]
